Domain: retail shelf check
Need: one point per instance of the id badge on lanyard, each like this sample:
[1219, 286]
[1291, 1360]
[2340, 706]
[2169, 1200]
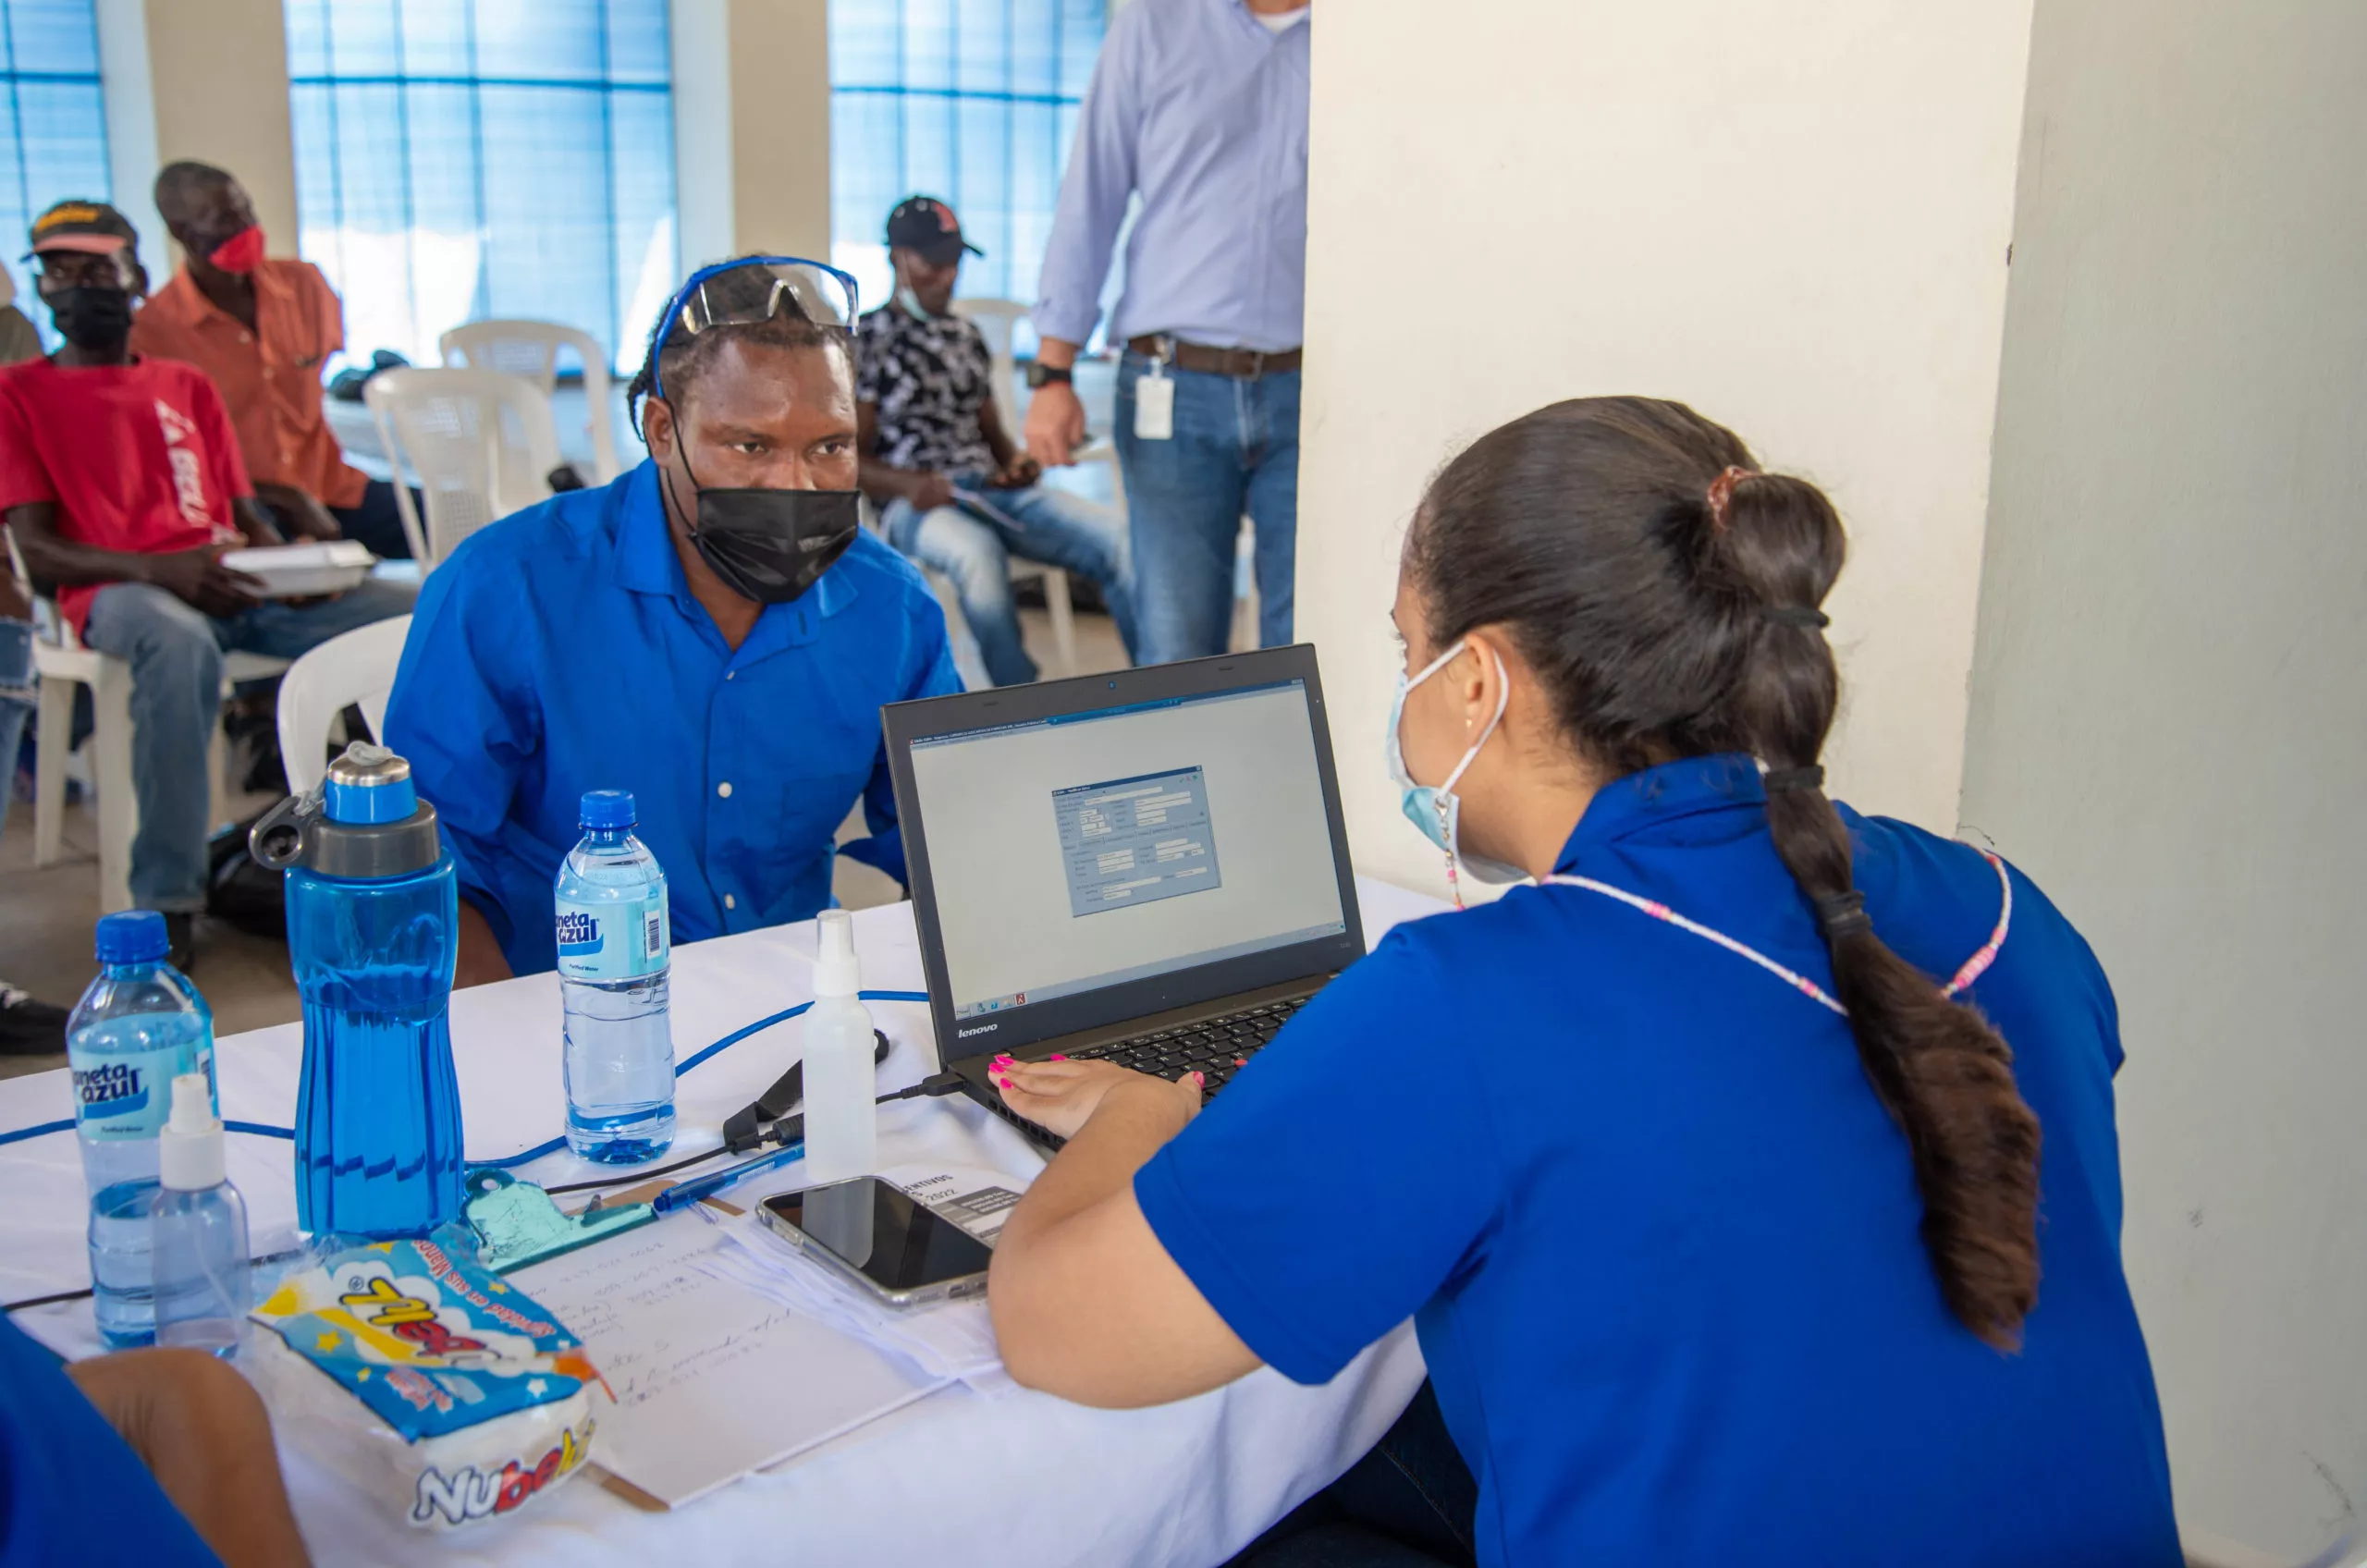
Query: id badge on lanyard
[1155, 404]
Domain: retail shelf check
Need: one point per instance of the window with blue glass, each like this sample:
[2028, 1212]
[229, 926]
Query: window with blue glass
[53, 125]
[971, 101]
[461, 159]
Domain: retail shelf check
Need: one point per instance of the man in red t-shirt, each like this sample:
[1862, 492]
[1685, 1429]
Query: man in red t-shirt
[121, 480]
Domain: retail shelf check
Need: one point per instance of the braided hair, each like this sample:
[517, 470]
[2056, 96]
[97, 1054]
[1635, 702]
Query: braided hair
[1667, 592]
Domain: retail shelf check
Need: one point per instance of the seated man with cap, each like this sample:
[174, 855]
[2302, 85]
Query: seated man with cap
[957, 494]
[121, 480]
[712, 632]
[261, 326]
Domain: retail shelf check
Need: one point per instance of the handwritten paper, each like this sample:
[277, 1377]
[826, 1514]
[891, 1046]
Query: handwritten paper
[711, 1379]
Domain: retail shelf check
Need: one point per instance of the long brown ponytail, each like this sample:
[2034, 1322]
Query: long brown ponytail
[1667, 593]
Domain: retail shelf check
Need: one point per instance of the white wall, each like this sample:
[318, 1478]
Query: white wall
[2168, 717]
[1793, 217]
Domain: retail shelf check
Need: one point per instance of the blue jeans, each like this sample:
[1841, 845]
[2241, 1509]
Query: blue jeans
[175, 650]
[14, 712]
[974, 554]
[1235, 450]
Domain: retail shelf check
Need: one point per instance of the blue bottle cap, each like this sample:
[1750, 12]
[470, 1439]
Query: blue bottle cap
[136, 936]
[606, 809]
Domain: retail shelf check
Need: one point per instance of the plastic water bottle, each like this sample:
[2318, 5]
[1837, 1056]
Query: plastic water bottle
[141, 1025]
[372, 932]
[202, 1291]
[841, 1119]
[614, 951]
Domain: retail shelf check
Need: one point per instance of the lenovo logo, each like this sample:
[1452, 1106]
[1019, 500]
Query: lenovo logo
[981, 1029]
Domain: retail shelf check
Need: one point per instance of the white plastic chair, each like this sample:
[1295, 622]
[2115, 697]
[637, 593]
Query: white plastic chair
[356, 666]
[63, 663]
[531, 349]
[995, 319]
[480, 440]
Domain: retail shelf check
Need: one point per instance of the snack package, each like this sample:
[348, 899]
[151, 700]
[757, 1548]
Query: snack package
[443, 1392]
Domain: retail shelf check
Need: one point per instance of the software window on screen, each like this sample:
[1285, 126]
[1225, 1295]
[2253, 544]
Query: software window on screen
[1082, 852]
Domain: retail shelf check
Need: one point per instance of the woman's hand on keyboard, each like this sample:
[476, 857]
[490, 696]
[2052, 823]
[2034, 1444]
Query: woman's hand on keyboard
[1061, 1095]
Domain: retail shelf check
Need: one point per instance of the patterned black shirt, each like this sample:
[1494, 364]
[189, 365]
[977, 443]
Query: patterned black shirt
[929, 378]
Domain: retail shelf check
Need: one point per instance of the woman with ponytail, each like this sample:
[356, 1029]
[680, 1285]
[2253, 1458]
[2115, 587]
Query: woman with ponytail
[1751, 1178]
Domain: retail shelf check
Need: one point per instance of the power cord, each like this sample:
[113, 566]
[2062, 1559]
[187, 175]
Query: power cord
[779, 1132]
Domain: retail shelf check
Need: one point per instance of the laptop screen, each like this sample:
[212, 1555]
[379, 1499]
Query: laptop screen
[1088, 850]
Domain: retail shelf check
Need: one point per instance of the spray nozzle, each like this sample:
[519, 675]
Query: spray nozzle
[189, 1149]
[837, 972]
[193, 1106]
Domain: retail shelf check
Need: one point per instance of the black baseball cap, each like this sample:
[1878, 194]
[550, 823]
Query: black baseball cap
[928, 226]
[77, 224]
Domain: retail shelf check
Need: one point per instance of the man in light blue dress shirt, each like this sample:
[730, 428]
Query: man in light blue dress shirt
[1199, 108]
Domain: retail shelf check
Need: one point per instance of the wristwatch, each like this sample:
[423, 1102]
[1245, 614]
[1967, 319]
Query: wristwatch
[1041, 374]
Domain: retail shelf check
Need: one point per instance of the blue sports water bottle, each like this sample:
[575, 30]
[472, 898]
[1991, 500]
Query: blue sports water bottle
[373, 931]
[141, 1025]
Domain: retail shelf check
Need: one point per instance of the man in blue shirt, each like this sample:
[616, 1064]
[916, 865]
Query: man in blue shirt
[1199, 108]
[160, 1458]
[669, 635]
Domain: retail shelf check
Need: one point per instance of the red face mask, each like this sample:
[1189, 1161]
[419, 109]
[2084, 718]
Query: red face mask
[241, 251]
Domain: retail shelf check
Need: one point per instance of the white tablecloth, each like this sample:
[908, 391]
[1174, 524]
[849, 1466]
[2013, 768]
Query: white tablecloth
[957, 1478]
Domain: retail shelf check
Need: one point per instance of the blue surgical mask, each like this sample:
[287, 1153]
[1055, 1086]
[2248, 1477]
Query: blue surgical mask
[912, 303]
[1437, 811]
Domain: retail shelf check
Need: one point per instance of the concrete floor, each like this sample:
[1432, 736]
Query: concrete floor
[46, 915]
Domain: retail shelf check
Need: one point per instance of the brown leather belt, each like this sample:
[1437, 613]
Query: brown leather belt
[1242, 364]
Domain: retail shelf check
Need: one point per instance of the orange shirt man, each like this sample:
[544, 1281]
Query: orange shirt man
[261, 328]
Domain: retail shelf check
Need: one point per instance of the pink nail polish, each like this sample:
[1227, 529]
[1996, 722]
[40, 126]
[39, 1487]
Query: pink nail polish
[1057, 1057]
[1199, 1080]
[1004, 1082]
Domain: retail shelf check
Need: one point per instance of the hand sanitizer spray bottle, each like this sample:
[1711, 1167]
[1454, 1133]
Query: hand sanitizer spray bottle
[201, 1229]
[841, 1121]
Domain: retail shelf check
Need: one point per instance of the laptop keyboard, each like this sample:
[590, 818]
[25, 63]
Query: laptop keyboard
[1216, 1047]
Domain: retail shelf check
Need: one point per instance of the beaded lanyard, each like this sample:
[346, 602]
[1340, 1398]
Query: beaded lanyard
[1972, 969]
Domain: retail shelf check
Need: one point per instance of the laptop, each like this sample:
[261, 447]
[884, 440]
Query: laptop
[1146, 868]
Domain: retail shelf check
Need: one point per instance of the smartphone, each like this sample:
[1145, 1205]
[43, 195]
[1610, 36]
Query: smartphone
[877, 1234]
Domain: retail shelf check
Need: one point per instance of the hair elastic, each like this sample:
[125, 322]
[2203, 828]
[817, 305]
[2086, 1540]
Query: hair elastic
[1721, 495]
[1842, 915]
[1798, 614]
[1808, 777]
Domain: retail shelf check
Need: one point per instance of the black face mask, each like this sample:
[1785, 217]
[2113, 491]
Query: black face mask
[93, 318]
[771, 545]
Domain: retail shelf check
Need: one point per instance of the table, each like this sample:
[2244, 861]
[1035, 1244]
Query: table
[1021, 1477]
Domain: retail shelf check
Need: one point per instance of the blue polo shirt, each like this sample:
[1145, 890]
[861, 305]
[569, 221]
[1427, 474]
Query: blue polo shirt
[70, 1489]
[559, 650]
[1657, 1236]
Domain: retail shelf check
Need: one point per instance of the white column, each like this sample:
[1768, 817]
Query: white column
[217, 79]
[751, 127]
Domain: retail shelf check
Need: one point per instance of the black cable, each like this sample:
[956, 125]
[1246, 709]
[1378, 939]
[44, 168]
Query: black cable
[786, 1130]
[76, 1296]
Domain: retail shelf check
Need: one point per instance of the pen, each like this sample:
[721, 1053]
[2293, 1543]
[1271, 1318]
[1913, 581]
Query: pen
[684, 1194]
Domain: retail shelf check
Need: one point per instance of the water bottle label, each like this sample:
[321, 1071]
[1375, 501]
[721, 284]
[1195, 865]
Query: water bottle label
[622, 940]
[125, 1097]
